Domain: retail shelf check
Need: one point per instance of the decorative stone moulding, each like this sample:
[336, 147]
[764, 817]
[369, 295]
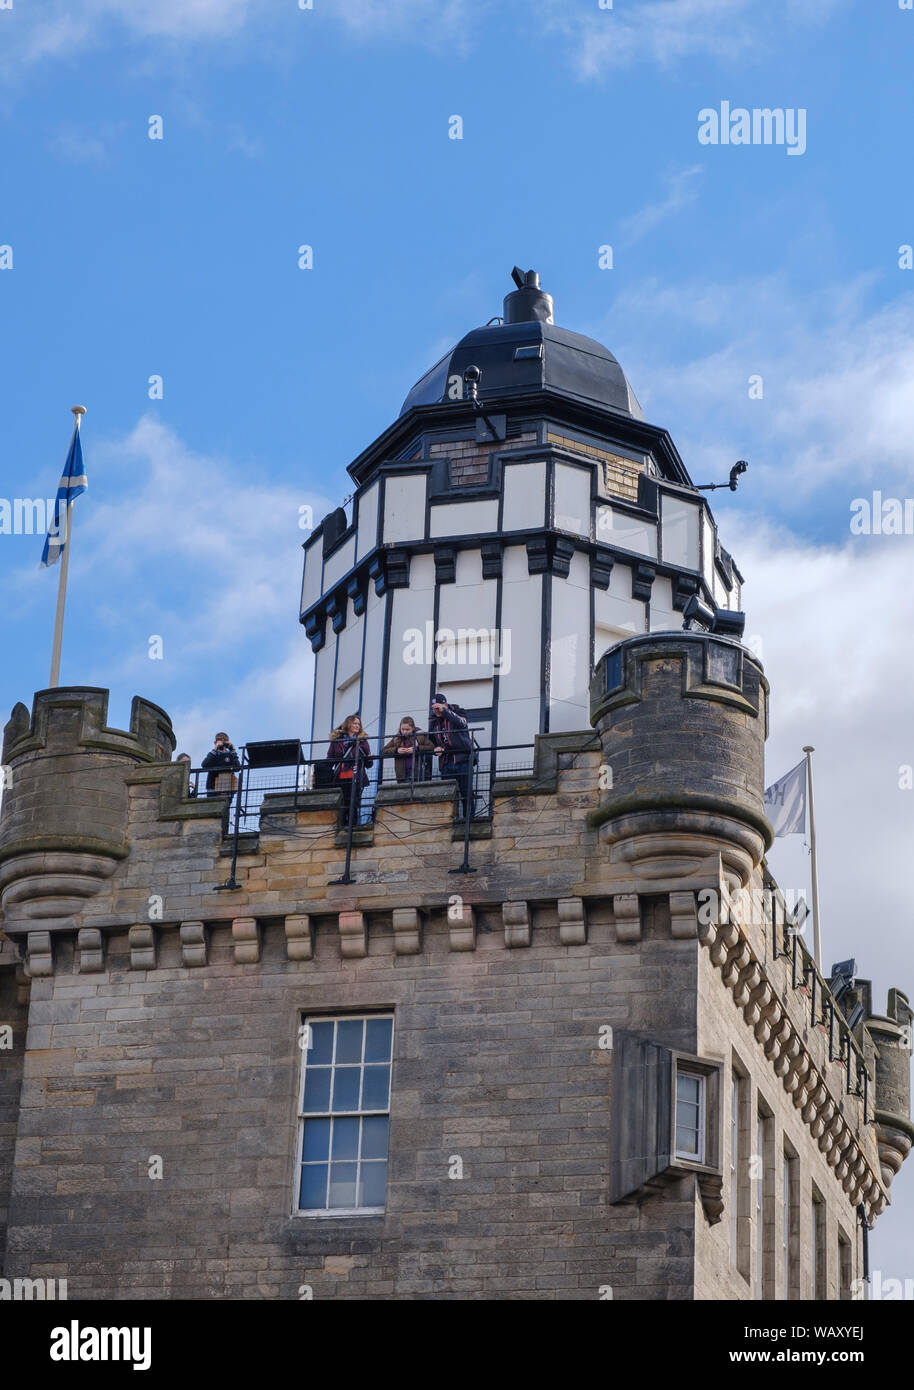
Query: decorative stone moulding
[353, 928]
[51, 887]
[744, 976]
[407, 927]
[516, 917]
[193, 943]
[572, 922]
[246, 940]
[299, 938]
[461, 925]
[142, 941]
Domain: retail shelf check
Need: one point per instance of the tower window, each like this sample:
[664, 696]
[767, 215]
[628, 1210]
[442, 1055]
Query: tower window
[528, 350]
[790, 1222]
[740, 1142]
[691, 1112]
[764, 1202]
[844, 1266]
[819, 1270]
[344, 1114]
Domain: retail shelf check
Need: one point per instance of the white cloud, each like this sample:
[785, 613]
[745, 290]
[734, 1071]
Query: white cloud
[837, 412]
[434, 22]
[62, 29]
[835, 624]
[668, 31]
[194, 549]
[681, 190]
[76, 144]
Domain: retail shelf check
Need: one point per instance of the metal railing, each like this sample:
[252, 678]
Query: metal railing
[295, 768]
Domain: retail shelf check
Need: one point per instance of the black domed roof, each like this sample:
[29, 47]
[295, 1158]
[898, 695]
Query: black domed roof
[528, 352]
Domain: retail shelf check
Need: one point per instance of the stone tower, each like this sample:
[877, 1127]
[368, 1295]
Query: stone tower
[601, 1064]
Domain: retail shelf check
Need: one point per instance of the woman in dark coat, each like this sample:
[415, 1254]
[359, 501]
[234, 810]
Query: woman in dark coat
[348, 748]
[410, 746]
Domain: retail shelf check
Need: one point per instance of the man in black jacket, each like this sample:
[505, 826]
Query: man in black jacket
[449, 732]
[222, 758]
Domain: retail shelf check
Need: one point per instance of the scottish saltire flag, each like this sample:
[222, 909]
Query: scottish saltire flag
[72, 483]
[785, 802]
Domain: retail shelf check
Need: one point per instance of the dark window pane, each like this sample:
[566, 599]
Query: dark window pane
[372, 1184]
[374, 1136]
[376, 1089]
[313, 1186]
[349, 1040]
[317, 1089]
[346, 1088]
[345, 1138]
[377, 1039]
[320, 1053]
[342, 1184]
[316, 1143]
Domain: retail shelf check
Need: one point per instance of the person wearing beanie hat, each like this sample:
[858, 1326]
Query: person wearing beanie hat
[449, 732]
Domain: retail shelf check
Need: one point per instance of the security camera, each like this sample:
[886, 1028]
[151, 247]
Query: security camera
[736, 472]
[471, 374]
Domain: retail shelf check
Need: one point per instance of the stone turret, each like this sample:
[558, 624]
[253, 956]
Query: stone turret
[682, 718]
[64, 824]
[891, 1036]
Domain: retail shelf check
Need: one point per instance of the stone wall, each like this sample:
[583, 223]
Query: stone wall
[156, 1142]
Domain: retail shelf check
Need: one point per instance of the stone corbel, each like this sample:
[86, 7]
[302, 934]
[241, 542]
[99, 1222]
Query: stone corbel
[353, 935]
[758, 999]
[727, 937]
[40, 957]
[407, 925]
[461, 923]
[142, 942]
[299, 937]
[737, 961]
[91, 944]
[516, 919]
[683, 915]
[815, 1099]
[572, 924]
[627, 914]
[748, 981]
[193, 943]
[780, 1032]
[246, 940]
[789, 1051]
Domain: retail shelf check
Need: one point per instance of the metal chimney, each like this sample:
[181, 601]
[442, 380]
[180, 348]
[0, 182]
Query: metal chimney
[528, 302]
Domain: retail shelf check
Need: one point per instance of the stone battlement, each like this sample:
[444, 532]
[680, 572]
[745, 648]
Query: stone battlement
[605, 895]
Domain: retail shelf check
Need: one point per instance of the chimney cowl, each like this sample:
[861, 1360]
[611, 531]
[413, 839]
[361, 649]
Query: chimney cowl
[528, 303]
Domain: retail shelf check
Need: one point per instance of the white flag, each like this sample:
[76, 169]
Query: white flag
[785, 802]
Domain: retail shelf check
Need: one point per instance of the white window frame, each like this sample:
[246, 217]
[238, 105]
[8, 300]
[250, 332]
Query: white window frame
[323, 1213]
[700, 1156]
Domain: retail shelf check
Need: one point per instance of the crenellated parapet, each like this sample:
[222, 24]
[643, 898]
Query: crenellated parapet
[64, 823]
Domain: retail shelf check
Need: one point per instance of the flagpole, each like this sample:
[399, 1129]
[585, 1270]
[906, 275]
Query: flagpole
[817, 943]
[78, 411]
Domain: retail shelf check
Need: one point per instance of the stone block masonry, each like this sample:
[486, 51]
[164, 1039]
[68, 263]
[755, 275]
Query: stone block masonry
[149, 1104]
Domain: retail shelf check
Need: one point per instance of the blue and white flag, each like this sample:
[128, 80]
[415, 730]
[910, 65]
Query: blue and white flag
[72, 483]
[785, 802]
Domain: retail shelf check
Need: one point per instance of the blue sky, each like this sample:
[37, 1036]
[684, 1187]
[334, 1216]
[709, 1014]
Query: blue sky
[134, 257]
